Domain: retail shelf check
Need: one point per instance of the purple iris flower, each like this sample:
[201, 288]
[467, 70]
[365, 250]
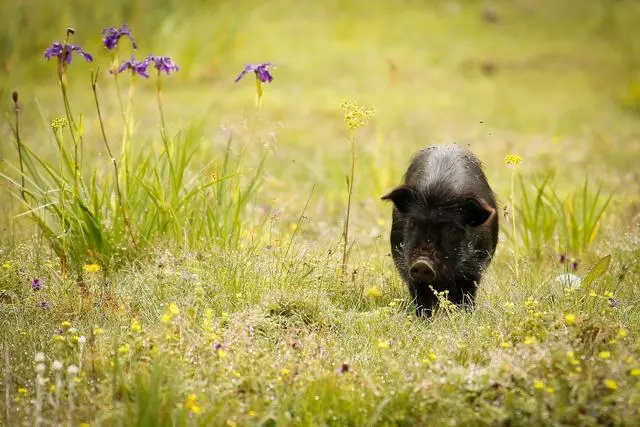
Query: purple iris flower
[163, 63]
[36, 284]
[261, 70]
[136, 67]
[111, 37]
[64, 52]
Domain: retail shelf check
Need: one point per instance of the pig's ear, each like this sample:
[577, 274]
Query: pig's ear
[401, 197]
[476, 211]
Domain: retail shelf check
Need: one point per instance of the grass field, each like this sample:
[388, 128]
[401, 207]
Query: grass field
[201, 282]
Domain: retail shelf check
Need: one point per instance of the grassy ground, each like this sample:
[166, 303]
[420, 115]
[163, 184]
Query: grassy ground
[233, 310]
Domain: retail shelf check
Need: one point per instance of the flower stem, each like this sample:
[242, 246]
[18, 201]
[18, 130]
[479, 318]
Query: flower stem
[16, 134]
[163, 128]
[345, 234]
[94, 81]
[513, 219]
[72, 125]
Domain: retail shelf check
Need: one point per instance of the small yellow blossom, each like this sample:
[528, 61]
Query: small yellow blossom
[98, 331]
[84, 425]
[284, 371]
[611, 384]
[550, 390]
[92, 268]
[608, 294]
[383, 344]
[252, 414]
[173, 309]
[356, 115]
[65, 324]
[570, 319]
[231, 423]
[59, 123]
[635, 372]
[166, 318]
[505, 344]
[373, 292]
[512, 159]
[75, 338]
[22, 390]
[135, 325]
[539, 385]
[6, 265]
[593, 294]
[58, 338]
[529, 340]
[221, 353]
[191, 403]
[623, 333]
[52, 388]
[124, 349]
[604, 355]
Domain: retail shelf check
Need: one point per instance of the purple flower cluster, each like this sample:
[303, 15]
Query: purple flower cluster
[261, 70]
[163, 63]
[111, 36]
[136, 67]
[64, 52]
[36, 284]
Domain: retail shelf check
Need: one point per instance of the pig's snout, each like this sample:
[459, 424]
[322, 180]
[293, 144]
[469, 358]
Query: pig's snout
[422, 271]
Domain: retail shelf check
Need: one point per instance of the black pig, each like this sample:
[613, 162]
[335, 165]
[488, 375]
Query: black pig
[444, 228]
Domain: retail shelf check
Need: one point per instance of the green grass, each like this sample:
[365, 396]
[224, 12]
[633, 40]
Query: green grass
[231, 308]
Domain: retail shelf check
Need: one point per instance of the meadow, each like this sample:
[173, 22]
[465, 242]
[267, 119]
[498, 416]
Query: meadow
[191, 249]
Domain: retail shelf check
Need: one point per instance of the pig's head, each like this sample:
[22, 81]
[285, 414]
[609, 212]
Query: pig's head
[440, 238]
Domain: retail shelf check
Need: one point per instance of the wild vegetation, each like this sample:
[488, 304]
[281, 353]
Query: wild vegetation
[186, 239]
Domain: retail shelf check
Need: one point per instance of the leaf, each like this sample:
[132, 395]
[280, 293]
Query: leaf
[598, 269]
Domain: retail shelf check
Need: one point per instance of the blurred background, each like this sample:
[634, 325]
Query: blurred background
[556, 82]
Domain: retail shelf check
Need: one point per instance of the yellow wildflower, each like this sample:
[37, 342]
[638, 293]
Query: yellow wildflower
[59, 123]
[623, 333]
[191, 403]
[284, 371]
[98, 331]
[92, 268]
[529, 340]
[52, 388]
[173, 309]
[505, 344]
[570, 319]
[611, 384]
[383, 344]
[84, 425]
[604, 355]
[6, 265]
[539, 385]
[512, 159]
[356, 115]
[166, 318]
[252, 414]
[65, 324]
[135, 325]
[373, 292]
[58, 338]
[124, 349]
[635, 372]
[22, 390]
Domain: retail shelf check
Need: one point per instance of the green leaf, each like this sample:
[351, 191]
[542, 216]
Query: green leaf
[598, 269]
